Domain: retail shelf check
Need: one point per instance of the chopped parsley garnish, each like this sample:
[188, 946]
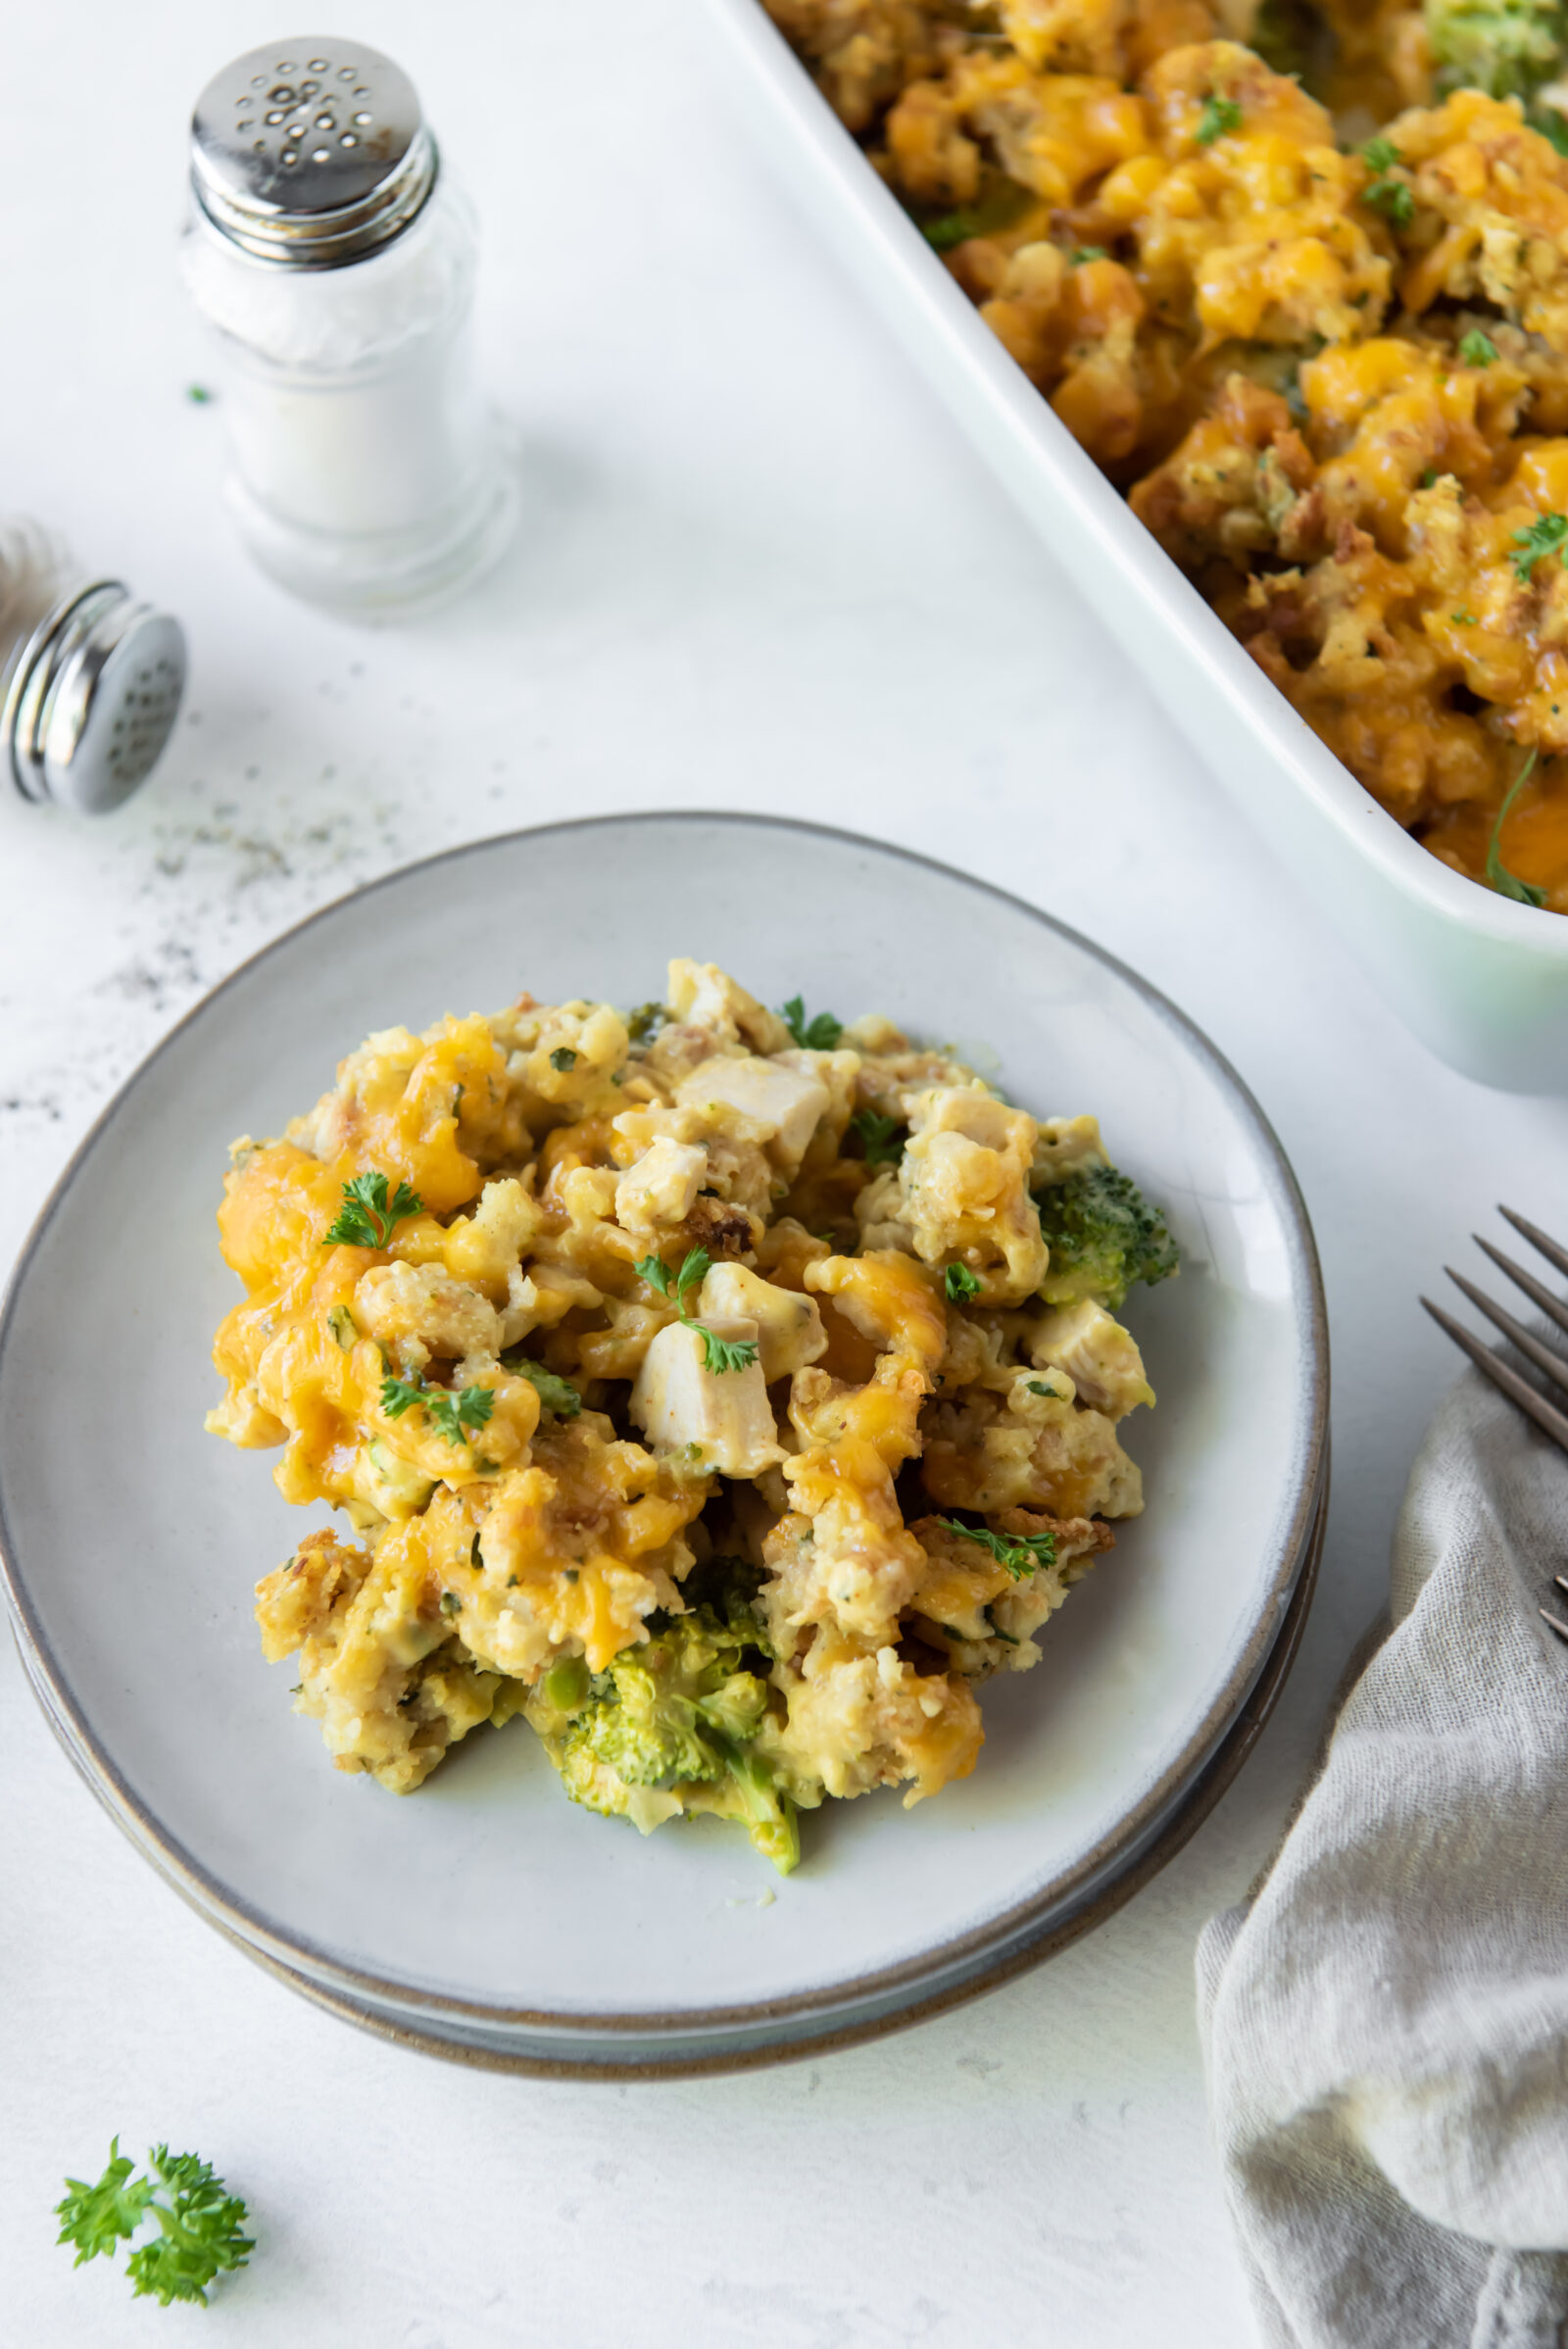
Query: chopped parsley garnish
[960, 1284]
[646, 1021]
[1021, 1553]
[1545, 536]
[819, 1035]
[198, 393]
[563, 1059]
[557, 1395]
[876, 1133]
[1476, 350]
[1428, 478]
[1463, 619]
[451, 1603]
[1219, 116]
[367, 1215]
[1506, 883]
[458, 1415]
[1085, 252]
[198, 2220]
[1391, 197]
[952, 229]
[719, 1353]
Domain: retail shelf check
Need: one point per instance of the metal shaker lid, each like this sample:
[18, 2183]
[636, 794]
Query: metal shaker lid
[311, 152]
[93, 698]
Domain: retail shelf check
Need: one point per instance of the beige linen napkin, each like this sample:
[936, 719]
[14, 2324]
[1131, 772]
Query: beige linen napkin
[1386, 2023]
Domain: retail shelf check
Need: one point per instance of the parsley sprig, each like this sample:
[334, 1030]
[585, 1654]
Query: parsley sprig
[367, 1215]
[199, 2222]
[719, 1353]
[557, 1393]
[1391, 197]
[457, 1415]
[1475, 349]
[1022, 1555]
[1545, 536]
[1506, 883]
[876, 1131]
[960, 1284]
[1219, 115]
[819, 1035]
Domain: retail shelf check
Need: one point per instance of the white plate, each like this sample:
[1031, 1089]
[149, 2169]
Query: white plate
[1483, 980]
[131, 1540]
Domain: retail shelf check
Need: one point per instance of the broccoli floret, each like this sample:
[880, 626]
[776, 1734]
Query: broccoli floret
[669, 1726]
[1103, 1235]
[1506, 47]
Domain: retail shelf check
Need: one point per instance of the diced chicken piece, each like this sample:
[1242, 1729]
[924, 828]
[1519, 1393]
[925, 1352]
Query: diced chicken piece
[781, 1105]
[721, 1418]
[964, 1175]
[1098, 1354]
[789, 1326]
[701, 995]
[661, 1187]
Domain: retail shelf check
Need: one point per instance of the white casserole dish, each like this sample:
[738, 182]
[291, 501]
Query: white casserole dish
[1482, 980]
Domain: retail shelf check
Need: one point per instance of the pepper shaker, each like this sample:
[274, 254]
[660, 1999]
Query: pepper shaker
[334, 256]
[91, 678]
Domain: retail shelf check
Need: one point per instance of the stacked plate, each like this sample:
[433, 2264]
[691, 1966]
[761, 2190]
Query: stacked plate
[486, 1918]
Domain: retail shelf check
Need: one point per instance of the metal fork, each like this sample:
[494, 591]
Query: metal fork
[1489, 1362]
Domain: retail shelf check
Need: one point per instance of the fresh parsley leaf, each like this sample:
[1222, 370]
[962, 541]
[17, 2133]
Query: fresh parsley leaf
[1021, 1554]
[646, 1021]
[655, 1271]
[819, 1035]
[952, 229]
[1039, 1386]
[563, 1059]
[461, 1414]
[97, 2218]
[1428, 478]
[1391, 197]
[960, 1284]
[1545, 536]
[876, 1131]
[692, 1274]
[724, 1354]
[1507, 884]
[368, 1216]
[1083, 252]
[1219, 116]
[1463, 619]
[557, 1395]
[456, 1415]
[1476, 350]
[198, 2221]
[719, 1353]
[198, 393]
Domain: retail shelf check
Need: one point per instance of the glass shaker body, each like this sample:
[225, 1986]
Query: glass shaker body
[366, 474]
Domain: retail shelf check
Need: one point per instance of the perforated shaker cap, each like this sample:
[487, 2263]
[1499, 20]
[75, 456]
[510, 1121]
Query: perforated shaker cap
[311, 152]
[93, 698]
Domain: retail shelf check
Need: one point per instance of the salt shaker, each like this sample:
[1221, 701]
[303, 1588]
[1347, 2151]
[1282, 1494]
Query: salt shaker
[334, 256]
[91, 678]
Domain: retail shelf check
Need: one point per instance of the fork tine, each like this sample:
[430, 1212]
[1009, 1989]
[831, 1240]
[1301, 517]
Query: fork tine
[1546, 1415]
[1553, 1308]
[1562, 1629]
[1528, 1346]
[1536, 1239]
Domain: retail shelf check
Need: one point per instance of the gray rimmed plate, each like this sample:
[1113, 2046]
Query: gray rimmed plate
[486, 1913]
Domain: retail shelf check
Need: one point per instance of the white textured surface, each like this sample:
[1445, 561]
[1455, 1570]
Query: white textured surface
[759, 569]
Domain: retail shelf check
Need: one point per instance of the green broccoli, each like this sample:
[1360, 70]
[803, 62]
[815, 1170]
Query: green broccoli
[678, 1715]
[1104, 1236]
[1506, 47]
